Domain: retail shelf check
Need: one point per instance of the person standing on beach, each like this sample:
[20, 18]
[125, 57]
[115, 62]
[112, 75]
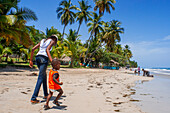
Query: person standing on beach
[42, 57]
[54, 83]
[139, 70]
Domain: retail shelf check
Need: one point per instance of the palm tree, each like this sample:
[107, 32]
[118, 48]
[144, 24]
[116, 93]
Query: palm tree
[59, 50]
[51, 31]
[7, 51]
[1, 50]
[118, 49]
[74, 47]
[127, 52]
[95, 28]
[35, 35]
[24, 54]
[112, 34]
[104, 5]
[83, 14]
[95, 25]
[65, 13]
[12, 22]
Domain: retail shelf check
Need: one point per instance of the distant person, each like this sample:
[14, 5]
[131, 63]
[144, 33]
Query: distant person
[135, 71]
[146, 73]
[45, 46]
[139, 70]
[54, 83]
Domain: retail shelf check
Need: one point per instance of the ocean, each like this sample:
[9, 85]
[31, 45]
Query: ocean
[159, 71]
[154, 95]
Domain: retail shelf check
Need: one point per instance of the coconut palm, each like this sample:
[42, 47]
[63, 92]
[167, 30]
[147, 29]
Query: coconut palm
[112, 34]
[83, 14]
[127, 52]
[118, 49]
[51, 31]
[65, 13]
[59, 51]
[95, 26]
[24, 54]
[104, 5]
[12, 22]
[7, 51]
[1, 49]
[35, 35]
[74, 47]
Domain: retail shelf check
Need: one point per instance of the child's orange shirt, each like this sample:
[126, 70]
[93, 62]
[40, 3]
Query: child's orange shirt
[51, 83]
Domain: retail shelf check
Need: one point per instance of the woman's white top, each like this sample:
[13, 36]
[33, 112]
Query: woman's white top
[43, 46]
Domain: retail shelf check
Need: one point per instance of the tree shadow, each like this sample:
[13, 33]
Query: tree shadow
[17, 69]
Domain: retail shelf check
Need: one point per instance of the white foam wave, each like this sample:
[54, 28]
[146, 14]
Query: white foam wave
[160, 71]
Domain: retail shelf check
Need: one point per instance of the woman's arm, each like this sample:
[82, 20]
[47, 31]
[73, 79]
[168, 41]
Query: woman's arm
[48, 50]
[32, 53]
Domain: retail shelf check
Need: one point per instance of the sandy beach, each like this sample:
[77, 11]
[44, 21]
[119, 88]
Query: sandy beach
[85, 91]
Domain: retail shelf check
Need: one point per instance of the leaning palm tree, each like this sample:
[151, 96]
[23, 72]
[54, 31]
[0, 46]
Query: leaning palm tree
[104, 5]
[65, 13]
[112, 34]
[95, 26]
[83, 14]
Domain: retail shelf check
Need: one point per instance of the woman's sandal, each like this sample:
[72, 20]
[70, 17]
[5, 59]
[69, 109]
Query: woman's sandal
[46, 107]
[56, 103]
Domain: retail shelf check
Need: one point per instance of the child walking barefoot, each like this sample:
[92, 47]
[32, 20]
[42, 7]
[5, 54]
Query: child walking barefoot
[54, 83]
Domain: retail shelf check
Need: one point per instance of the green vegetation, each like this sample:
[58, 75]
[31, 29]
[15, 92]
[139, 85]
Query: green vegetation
[102, 45]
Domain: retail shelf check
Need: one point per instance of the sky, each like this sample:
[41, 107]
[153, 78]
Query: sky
[146, 24]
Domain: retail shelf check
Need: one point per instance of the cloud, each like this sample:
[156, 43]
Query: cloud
[150, 53]
[167, 37]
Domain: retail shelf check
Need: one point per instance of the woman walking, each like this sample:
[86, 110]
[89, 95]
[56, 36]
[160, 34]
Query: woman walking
[42, 57]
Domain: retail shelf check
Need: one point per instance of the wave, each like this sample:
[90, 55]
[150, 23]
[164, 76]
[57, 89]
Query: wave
[160, 71]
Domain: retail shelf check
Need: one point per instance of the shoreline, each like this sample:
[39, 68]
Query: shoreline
[154, 94]
[85, 91]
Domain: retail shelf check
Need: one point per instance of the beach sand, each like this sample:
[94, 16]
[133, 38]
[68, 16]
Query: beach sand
[85, 91]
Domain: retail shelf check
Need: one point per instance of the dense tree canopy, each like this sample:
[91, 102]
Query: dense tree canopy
[101, 46]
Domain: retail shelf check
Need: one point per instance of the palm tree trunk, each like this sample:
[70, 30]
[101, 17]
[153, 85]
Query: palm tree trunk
[7, 58]
[63, 34]
[72, 60]
[87, 61]
[90, 41]
[89, 46]
[78, 29]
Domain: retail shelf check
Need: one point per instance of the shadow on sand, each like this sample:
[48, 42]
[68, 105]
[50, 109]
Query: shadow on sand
[18, 69]
[61, 107]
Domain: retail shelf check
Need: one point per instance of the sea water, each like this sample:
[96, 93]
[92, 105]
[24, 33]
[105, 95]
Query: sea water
[154, 95]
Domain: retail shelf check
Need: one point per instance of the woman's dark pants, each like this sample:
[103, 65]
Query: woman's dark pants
[42, 63]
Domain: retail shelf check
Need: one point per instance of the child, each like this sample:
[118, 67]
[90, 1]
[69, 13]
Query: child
[54, 83]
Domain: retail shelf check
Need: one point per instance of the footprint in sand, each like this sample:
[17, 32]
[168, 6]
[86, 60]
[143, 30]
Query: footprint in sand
[117, 103]
[88, 88]
[4, 90]
[133, 100]
[117, 110]
[24, 92]
[108, 100]
[28, 90]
